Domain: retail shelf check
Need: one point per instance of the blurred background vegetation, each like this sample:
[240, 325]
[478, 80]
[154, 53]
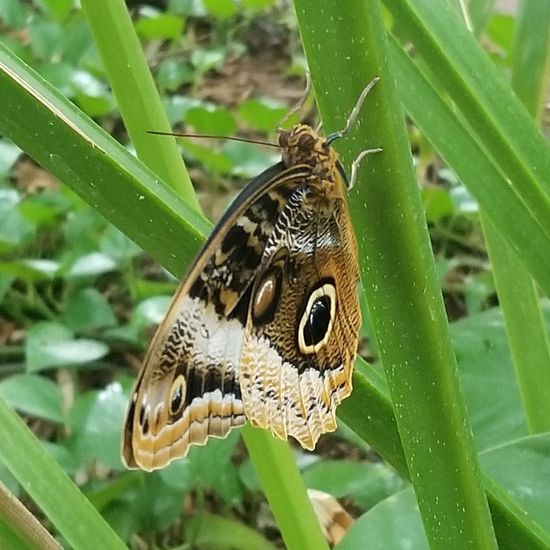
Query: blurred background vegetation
[79, 300]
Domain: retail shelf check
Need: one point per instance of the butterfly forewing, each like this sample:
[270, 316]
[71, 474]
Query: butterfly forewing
[188, 388]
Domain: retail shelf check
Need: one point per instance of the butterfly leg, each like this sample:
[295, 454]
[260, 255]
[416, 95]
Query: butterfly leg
[355, 164]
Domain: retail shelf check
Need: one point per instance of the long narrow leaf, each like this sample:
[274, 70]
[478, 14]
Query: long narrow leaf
[518, 295]
[501, 123]
[455, 143]
[398, 274]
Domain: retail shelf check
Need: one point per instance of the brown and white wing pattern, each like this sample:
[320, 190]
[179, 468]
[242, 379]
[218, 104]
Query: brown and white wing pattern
[304, 318]
[265, 326]
[188, 388]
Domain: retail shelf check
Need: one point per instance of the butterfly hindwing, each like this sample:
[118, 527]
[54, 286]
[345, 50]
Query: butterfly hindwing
[303, 322]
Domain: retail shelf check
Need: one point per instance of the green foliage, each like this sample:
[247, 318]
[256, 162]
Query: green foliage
[79, 298]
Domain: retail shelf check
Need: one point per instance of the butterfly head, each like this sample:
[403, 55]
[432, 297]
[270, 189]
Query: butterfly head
[302, 145]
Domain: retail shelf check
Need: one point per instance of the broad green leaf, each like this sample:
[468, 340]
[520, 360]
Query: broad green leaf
[117, 245]
[211, 467]
[220, 8]
[262, 114]
[91, 265]
[364, 482]
[209, 119]
[522, 468]
[62, 456]
[221, 533]
[151, 311]
[248, 161]
[87, 309]
[160, 25]
[205, 60]
[57, 8]
[257, 4]
[178, 475]
[172, 74]
[34, 395]
[96, 420]
[393, 524]
[45, 208]
[14, 228]
[13, 12]
[9, 153]
[52, 345]
[46, 38]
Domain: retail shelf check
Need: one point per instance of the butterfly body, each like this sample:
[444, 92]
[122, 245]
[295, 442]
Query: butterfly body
[265, 326]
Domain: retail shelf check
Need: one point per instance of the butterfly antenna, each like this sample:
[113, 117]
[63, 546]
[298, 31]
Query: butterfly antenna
[211, 136]
[355, 111]
[298, 105]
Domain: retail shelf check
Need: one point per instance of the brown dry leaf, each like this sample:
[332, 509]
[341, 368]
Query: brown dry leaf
[247, 76]
[32, 178]
[334, 520]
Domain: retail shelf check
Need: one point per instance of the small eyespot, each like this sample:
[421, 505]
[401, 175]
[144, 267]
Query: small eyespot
[141, 415]
[145, 427]
[266, 297]
[317, 319]
[177, 394]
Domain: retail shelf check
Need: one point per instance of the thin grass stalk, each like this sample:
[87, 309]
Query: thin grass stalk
[19, 528]
[281, 482]
[136, 93]
[398, 272]
[130, 77]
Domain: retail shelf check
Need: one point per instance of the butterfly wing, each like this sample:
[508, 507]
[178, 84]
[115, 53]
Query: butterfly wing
[188, 388]
[303, 321]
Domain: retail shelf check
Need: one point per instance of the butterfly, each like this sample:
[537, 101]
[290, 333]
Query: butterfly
[264, 327]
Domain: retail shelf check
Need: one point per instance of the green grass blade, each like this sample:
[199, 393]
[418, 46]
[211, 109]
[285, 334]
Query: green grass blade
[518, 295]
[531, 55]
[66, 507]
[519, 299]
[501, 123]
[136, 94]
[398, 273]
[68, 144]
[453, 140]
[379, 429]
[479, 12]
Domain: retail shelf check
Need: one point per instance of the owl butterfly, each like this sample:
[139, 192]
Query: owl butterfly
[265, 326]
